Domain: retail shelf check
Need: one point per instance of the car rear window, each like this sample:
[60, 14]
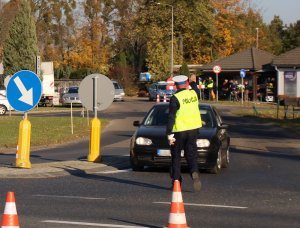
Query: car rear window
[117, 85]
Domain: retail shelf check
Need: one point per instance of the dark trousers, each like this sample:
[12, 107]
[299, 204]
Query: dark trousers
[186, 141]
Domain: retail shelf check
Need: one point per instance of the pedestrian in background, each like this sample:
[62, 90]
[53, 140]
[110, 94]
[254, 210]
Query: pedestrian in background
[246, 91]
[182, 130]
[225, 89]
[193, 84]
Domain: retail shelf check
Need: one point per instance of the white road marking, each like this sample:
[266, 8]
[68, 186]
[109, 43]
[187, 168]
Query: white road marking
[70, 197]
[92, 224]
[206, 205]
[115, 171]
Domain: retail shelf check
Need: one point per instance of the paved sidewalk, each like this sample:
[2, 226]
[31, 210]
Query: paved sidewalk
[54, 169]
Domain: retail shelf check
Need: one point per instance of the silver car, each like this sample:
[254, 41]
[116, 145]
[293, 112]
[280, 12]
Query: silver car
[4, 105]
[72, 96]
[119, 92]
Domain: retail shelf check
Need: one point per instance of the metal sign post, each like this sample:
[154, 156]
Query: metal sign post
[217, 69]
[96, 93]
[24, 91]
[242, 74]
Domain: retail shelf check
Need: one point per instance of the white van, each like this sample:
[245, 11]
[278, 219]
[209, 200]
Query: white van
[119, 92]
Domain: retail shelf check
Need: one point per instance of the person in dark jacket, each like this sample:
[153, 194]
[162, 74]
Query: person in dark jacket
[182, 130]
[193, 84]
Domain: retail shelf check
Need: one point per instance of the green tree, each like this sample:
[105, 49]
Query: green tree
[184, 70]
[291, 36]
[7, 14]
[276, 34]
[20, 47]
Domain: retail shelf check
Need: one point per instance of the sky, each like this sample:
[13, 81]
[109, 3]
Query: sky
[288, 10]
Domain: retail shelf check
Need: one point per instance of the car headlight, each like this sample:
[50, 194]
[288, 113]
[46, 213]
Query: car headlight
[122, 94]
[203, 143]
[143, 141]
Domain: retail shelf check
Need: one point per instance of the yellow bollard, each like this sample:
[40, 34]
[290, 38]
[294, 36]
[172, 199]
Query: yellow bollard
[94, 153]
[23, 153]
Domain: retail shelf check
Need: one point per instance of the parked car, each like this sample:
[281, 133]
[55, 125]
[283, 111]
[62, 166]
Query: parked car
[72, 96]
[4, 105]
[119, 92]
[159, 88]
[149, 144]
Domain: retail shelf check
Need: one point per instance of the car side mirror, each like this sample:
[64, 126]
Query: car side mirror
[136, 123]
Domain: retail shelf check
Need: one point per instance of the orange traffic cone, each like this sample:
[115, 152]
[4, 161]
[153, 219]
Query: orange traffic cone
[177, 217]
[10, 216]
[165, 98]
[157, 98]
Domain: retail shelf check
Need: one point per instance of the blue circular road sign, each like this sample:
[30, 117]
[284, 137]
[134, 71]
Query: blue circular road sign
[242, 73]
[24, 90]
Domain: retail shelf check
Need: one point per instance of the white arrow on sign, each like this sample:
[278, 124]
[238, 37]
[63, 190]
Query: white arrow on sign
[27, 96]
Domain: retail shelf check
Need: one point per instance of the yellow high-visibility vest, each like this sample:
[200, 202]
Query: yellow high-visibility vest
[210, 85]
[188, 115]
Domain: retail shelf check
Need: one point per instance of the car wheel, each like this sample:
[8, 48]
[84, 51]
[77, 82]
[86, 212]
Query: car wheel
[135, 164]
[217, 168]
[3, 110]
[226, 158]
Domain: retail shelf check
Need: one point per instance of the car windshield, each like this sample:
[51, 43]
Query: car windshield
[73, 90]
[158, 116]
[162, 87]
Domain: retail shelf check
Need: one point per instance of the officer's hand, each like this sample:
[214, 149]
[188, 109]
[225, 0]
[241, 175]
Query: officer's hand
[171, 139]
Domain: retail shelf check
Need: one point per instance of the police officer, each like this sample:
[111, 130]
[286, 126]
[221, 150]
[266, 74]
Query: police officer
[210, 88]
[182, 129]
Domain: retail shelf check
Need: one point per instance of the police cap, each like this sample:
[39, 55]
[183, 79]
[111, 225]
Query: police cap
[180, 79]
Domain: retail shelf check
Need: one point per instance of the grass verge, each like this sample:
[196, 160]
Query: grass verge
[271, 113]
[44, 130]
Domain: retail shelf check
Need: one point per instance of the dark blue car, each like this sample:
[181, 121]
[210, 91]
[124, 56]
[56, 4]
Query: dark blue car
[159, 88]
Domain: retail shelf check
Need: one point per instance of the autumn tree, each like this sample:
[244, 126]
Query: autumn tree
[90, 52]
[55, 31]
[235, 24]
[20, 47]
[130, 33]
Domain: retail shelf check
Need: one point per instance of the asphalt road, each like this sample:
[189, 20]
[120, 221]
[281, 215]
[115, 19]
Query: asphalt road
[260, 189]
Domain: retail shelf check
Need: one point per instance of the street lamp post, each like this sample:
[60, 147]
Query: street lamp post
[172, 36]
[257, 37]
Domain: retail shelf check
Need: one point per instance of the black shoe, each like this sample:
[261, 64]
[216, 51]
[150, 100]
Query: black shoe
[196, 181]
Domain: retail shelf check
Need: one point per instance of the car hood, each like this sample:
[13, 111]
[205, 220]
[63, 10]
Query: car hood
[158, 133]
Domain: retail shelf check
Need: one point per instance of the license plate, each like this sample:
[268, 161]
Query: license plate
[167, 153]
